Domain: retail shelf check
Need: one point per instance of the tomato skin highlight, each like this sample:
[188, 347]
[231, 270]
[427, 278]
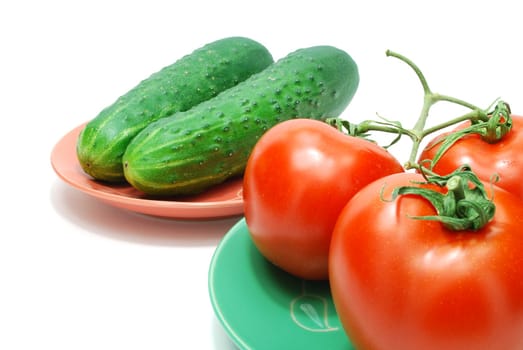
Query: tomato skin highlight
[403, 283]
[299, 176]
[486, 159]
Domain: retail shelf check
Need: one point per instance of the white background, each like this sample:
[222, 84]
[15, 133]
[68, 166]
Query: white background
[77, 274]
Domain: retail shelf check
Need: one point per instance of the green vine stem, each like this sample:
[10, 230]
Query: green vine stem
[491, 123]
[464, 204]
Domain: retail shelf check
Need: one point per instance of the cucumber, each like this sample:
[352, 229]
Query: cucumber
[187, 82]
[191, 151]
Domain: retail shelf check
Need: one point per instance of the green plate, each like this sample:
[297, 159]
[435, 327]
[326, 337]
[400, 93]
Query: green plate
[262, 307]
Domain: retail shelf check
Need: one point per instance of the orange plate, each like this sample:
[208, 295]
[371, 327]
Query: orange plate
[221, 201]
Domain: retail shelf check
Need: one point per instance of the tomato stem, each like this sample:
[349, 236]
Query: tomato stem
[414, 67]
[465, 205]
[454, 100]
[418, 133]
[473, 116]
[491, 125]
[455, 185]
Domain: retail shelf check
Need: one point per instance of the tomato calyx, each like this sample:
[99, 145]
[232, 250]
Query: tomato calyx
[498, 125]
[492, 128]
[463, 204]
[362, 129]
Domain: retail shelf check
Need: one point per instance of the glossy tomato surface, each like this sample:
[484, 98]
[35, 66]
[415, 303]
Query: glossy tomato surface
[404, 283]
[503, 158]
[299, 176]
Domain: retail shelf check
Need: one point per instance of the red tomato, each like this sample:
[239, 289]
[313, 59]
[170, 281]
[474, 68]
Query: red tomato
[486, 159]
[403, 283]
[298, 178]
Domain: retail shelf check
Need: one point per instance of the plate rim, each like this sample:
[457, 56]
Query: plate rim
[234, 336]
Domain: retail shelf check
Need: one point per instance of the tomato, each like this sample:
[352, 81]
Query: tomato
[298, 177]
[486, 159]
[404, 283]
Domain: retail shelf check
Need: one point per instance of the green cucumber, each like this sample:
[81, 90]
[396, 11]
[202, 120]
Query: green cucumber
[191, 151]
[187, 82]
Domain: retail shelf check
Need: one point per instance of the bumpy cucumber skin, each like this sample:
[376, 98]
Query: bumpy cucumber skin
[192, 79]
[191, 151]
